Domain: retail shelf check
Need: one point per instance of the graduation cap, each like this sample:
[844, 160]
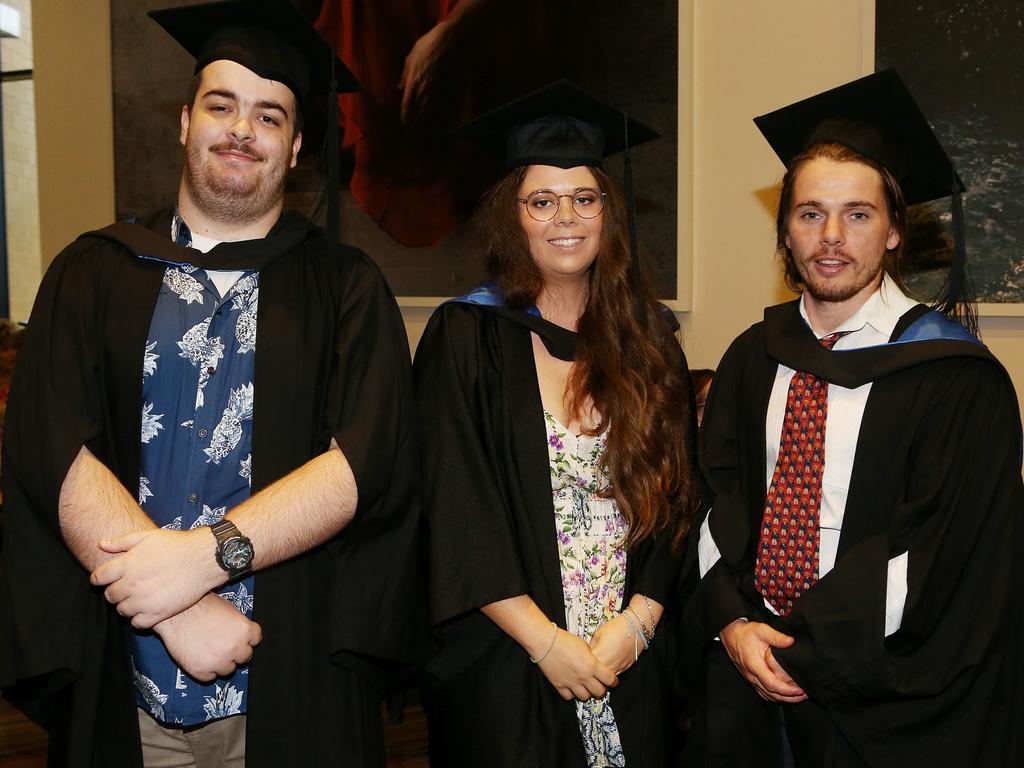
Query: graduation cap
[876, 116]
[270, 37]
[559, 124]
[564, 126]
[273, 39]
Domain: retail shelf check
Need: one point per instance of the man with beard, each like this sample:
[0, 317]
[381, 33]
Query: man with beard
[856, 605]
[210, 423]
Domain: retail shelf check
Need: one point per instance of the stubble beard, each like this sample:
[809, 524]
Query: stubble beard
[835, 291]
[232, 198]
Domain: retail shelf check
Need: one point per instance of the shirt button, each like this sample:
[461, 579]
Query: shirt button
[203, 433]
[192, 498]
[210, 371]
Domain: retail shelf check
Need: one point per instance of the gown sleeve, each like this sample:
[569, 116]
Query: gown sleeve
[51, 620]
[720, 598]
[56, 404]
[369, 413]
[473, 554]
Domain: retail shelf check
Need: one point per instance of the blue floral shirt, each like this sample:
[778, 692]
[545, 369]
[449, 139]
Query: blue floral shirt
[196, 458]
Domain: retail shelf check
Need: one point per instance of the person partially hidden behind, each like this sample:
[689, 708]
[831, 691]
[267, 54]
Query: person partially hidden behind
[211, 417]
[701, 378]
[859, 600]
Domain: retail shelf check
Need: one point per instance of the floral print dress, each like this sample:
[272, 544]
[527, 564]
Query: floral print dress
[590, 532]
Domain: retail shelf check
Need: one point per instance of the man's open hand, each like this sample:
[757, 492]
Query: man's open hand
[749, 645]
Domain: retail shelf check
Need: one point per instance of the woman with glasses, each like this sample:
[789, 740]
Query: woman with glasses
[557, 424]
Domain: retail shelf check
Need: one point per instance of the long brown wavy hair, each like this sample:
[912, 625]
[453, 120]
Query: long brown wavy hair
[628, 362]
[839, 153]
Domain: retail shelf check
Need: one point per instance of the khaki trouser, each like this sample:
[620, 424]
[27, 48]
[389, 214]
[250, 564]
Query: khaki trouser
[217, 744]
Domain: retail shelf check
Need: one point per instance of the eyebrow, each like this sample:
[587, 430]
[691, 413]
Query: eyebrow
[232, 96]
[221, 93]
[850, 204]
[272, 105]
[578, 189]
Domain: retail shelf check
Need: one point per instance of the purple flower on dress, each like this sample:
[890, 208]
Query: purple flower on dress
[563, 538]
[594, 560]
[555, 443]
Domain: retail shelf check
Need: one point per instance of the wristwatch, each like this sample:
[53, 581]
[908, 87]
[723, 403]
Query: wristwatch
[234, 551]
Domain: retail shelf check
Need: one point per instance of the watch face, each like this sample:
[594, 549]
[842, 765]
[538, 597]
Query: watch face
[236, 553]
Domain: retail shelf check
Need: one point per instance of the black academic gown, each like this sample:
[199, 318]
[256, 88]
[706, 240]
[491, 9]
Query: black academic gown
[332, 362]
[487, 499]
[936, 474]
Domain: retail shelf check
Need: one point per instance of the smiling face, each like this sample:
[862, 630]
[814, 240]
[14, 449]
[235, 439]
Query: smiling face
[838, 230]
[239, 143]
[565, 246]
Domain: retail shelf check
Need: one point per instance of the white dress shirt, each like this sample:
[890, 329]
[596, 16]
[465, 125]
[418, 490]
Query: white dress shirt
[871, 325]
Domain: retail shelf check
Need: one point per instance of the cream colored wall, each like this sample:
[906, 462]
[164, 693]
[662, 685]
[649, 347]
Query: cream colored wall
[748, 58]
[74, 124]
[21, 170]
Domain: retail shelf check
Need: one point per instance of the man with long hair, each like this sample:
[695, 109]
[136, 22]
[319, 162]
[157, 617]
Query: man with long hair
[862, 451]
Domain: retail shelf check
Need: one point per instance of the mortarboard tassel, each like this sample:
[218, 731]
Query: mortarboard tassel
[956, 299]
[627, 184]
[333, 180]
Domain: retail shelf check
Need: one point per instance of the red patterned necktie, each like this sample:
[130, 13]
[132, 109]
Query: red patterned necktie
[787, 557]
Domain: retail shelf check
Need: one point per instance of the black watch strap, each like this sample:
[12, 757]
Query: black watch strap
[234, 551]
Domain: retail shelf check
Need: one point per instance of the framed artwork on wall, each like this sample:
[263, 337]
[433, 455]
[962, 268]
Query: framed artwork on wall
[408, 188]
[962, 61]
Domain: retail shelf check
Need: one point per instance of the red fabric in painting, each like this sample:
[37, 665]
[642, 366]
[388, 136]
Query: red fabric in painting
[413, 180]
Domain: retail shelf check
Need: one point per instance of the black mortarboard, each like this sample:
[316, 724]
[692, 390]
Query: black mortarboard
[877, 117]
[273, 39]
[270, 37]
[559, 124]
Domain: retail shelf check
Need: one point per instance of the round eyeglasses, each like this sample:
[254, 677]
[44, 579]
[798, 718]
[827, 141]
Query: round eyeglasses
[543, 204]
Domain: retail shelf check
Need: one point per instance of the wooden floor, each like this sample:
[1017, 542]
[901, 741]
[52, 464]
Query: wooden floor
[23, 745]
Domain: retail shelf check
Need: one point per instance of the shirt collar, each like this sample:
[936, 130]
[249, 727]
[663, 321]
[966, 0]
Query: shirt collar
[881, 311]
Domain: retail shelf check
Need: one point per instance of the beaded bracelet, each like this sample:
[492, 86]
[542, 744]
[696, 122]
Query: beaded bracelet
[553, 638]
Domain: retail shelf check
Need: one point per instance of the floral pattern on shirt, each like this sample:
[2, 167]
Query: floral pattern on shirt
[150, 422]
[226, 701]
[182, 284]
[149, 360]
[198, 369]
[148, 691]
[590, 531]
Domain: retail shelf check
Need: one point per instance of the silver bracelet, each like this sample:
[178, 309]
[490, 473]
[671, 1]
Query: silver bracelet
[642, 631]
[631, 631]
[650, 612]
[647, 636]
[553, 638]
